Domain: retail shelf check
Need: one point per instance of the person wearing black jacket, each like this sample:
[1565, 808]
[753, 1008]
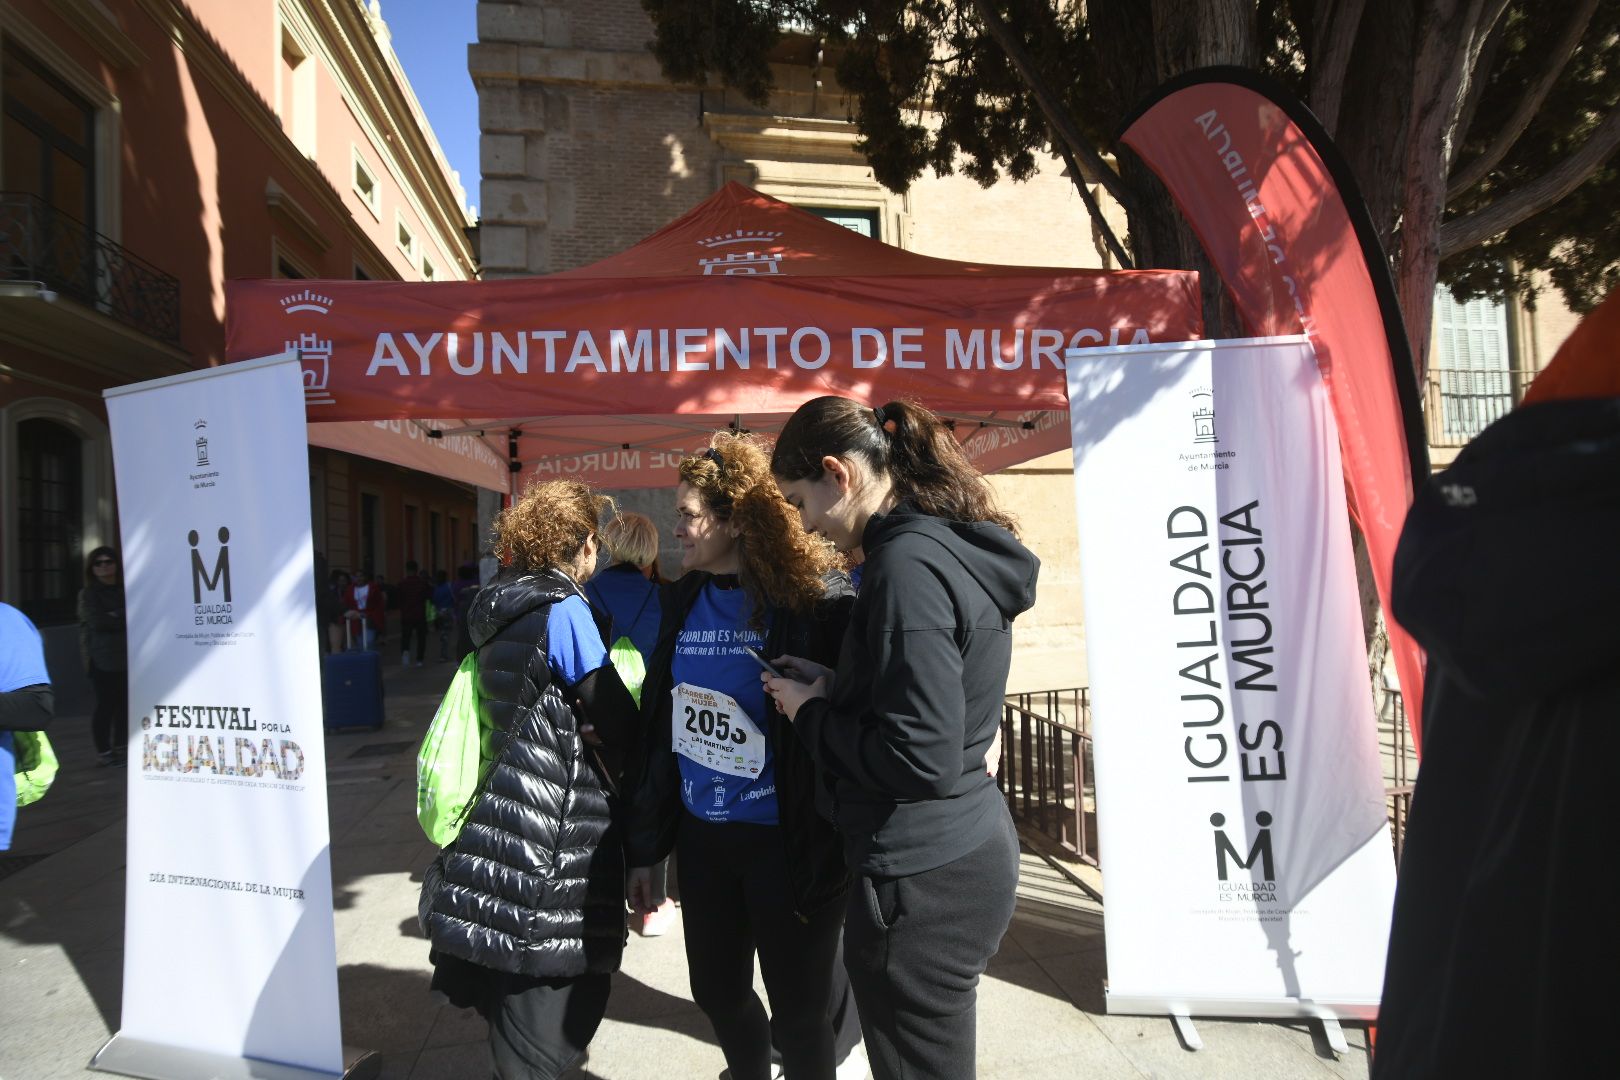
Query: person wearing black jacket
[103, 647]
[1503, 925]
[725, 781]
[525, 909]
[905, 721]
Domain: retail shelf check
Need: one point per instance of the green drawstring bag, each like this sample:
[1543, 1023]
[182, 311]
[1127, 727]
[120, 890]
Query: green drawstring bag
[449, 765]
[631, 667]
[36, 765]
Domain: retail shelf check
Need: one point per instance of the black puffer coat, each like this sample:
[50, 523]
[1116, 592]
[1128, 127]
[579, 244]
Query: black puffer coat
[816, 872]
[534, 884]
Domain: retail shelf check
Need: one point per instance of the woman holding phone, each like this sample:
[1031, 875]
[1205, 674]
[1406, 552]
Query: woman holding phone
[727, 785]
[905, 721]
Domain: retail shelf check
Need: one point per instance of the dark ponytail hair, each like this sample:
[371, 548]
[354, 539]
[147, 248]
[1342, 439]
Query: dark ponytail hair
[901, 441]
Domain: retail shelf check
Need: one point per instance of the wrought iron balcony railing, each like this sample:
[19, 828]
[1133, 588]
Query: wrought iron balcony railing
[40, 243]
[1462, 403]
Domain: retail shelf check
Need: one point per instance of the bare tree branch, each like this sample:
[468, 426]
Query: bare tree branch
[1448, 31]
[1057, 116]
[1091, 205]
[1534, 197]
[1335, 39]
[1477, 82]
[1476, 170]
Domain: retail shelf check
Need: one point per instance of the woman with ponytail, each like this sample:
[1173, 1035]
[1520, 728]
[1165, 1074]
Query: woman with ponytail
[728, 785]
[906, 719]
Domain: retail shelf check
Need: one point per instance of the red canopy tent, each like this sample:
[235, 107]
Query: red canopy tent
[730, 316]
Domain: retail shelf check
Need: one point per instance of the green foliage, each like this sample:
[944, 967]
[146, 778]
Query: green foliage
[893, 58]
[1575, 241]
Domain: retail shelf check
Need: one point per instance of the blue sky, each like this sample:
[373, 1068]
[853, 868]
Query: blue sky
[430, 38]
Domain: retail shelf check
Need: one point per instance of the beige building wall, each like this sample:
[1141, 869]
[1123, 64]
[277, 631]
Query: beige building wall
[1483, 356]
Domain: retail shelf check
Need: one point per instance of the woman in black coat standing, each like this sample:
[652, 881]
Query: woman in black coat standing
[906, 720]
[525, 908]
[103, 645]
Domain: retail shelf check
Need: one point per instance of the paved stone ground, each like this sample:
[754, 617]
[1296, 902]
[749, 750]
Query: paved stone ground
[1041, 1011]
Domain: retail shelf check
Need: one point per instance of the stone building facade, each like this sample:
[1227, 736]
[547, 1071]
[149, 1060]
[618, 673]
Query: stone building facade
[587, 149]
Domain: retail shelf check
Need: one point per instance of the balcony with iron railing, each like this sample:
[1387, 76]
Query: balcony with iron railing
[1461, 403]
[65, 257]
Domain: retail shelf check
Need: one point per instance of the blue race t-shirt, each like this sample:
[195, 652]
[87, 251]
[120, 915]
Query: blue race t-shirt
[631, 601]
[22, 663]
[720, 723]
[573, 643]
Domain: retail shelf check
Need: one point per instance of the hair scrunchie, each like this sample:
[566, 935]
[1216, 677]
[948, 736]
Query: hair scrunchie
[884, 420]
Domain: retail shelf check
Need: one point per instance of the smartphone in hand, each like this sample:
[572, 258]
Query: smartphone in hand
[759, 658]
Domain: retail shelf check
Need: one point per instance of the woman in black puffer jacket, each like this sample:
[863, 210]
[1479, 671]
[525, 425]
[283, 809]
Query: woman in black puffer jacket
[525, 908]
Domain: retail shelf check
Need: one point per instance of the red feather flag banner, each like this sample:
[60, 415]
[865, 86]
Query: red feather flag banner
[1283, 223]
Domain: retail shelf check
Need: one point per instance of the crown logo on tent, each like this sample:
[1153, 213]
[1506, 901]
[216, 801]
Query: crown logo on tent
[740, 236]
[307, 301]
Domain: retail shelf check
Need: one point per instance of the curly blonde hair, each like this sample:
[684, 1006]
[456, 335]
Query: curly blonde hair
[780, 564]
[549, 523]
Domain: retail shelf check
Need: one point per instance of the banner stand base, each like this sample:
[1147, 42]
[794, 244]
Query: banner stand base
[1189, 1034]
[1334, 1034]
[128, 1056]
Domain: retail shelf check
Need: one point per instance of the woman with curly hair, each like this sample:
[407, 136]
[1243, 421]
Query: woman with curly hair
[908, 717]
[727, 785]
[525, 908]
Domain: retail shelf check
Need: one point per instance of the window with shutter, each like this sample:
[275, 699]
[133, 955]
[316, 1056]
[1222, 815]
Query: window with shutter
[1471, 363]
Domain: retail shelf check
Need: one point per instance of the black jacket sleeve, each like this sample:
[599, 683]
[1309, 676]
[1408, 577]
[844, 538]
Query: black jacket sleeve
[652, 800]
[28, 708]
[608, 706]
[907, 739]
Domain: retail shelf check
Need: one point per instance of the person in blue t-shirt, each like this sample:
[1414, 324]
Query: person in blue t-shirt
[626, 590]
[26, 703]
[727, 785]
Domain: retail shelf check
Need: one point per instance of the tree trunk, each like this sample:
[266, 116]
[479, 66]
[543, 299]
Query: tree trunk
[1373, 111]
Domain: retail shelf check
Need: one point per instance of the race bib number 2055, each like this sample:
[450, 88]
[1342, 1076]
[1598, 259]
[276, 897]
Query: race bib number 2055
[710, 728]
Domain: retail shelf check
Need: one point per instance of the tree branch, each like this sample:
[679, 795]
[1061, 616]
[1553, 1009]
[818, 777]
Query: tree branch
[1091, 205]
[1449, 32]
[1057, 117]
[1529, 199]
[1477, 83]
[1335, 39]
[1477, 169]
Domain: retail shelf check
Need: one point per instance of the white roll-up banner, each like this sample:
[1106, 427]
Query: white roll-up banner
[1241, 812]
[229, 953]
